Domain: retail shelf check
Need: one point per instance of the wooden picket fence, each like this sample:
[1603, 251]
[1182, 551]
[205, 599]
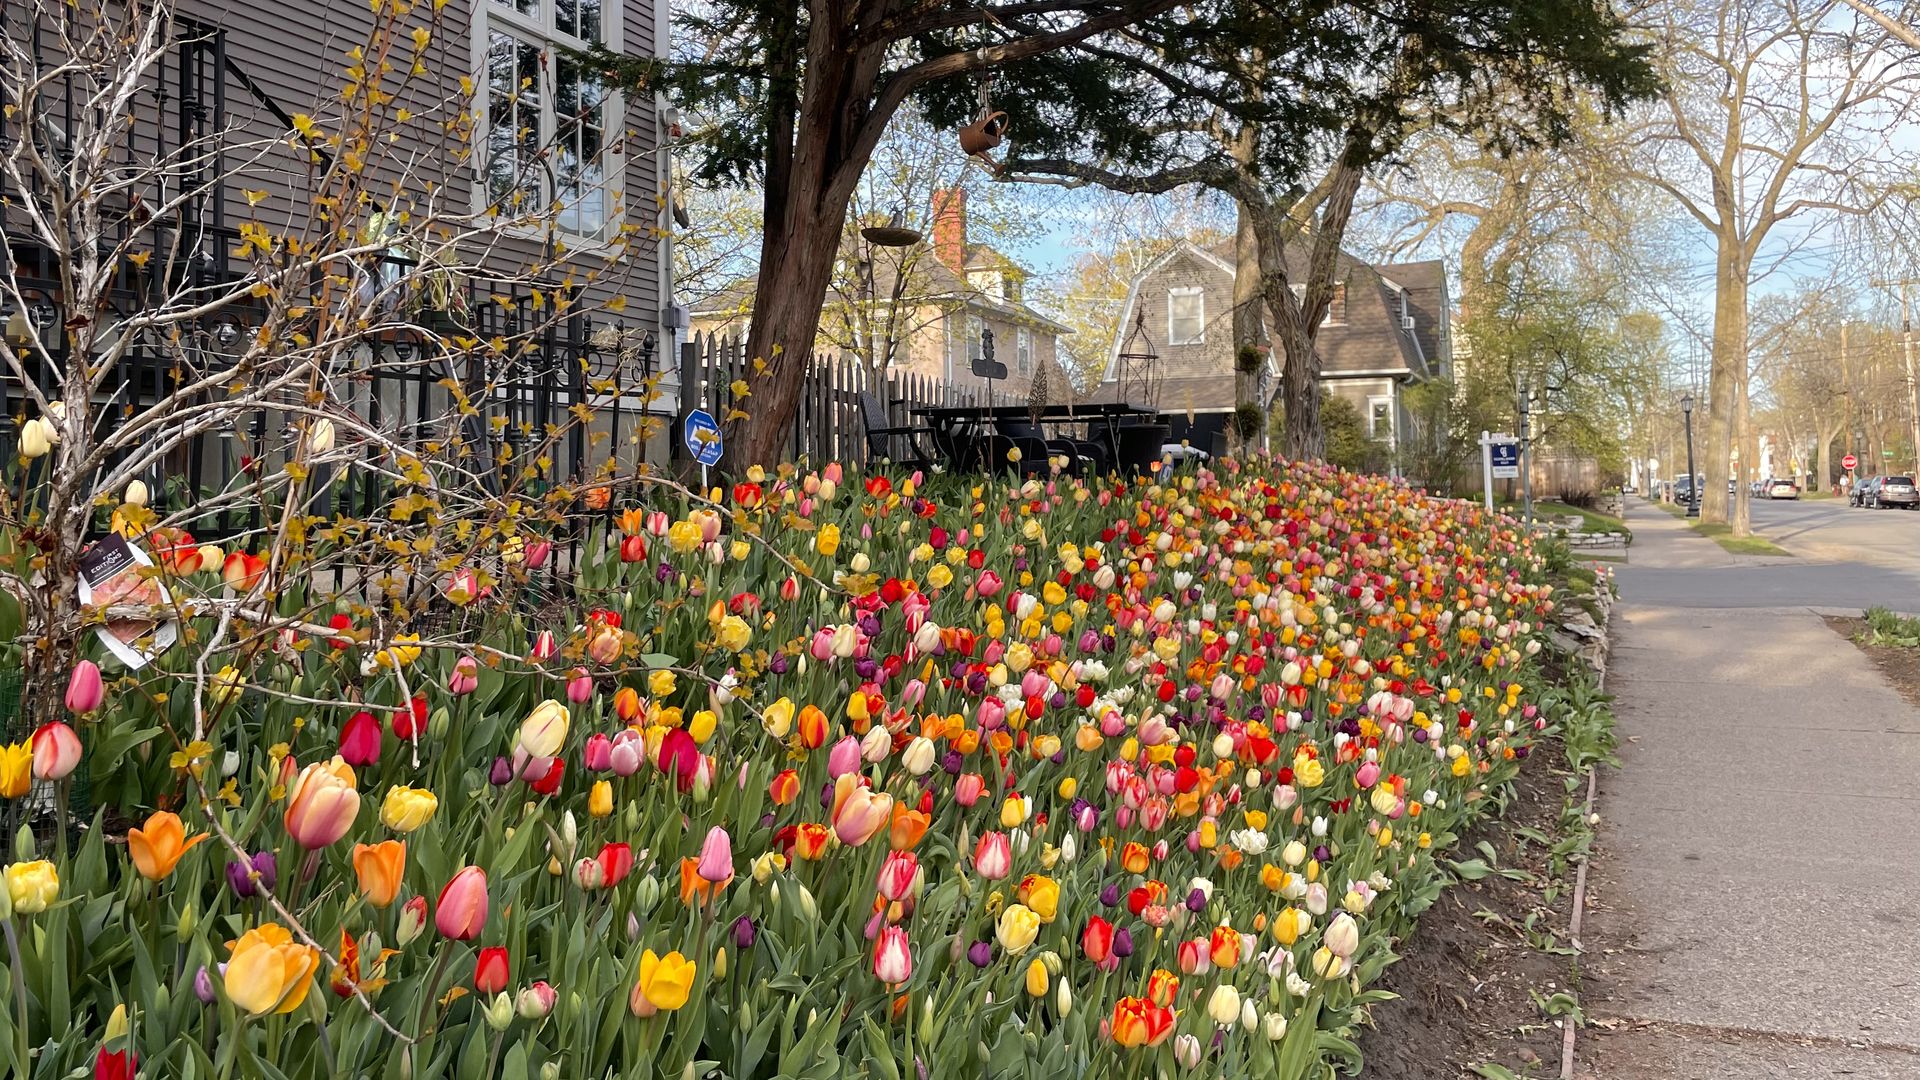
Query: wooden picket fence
[829, 425]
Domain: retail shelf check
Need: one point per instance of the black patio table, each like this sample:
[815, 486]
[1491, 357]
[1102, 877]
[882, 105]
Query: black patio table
[957, 422]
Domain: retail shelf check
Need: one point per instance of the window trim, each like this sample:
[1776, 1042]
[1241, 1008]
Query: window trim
[1393, 422]
[1023, 351]
[1199, 293]
[491, 15]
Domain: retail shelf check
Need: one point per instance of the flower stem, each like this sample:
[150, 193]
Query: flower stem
[19, 997]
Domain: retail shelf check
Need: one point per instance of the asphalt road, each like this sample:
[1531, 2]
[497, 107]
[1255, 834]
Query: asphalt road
[1846, 560]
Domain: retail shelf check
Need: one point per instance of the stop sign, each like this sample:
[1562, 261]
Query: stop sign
[1849, 462]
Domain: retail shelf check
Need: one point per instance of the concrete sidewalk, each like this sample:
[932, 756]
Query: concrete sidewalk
[1758, 888]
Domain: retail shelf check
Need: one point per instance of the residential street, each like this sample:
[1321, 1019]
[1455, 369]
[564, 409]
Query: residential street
[1758, 889]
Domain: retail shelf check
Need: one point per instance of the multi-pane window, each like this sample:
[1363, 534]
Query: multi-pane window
[1337, 306]
[548, 119]
[1024, 352]
[1379, 418]
[1186, 316]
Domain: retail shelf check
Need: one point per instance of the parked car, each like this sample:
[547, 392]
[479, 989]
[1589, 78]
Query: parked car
[1894, 491]
[1782, 489]
[1862, 488]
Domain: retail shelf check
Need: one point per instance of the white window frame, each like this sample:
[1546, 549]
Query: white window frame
[1392, 418]
[1338, 292]
[1200, 318]
[540, 30]
[1023, 350]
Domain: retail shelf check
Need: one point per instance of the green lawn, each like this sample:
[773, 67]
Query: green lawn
[1738, 545]
[1723, 535]
[1590, 521]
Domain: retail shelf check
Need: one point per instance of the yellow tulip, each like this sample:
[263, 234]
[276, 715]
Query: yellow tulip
[1017, 928]
[600, 799]
[665, 983]
[407, 808]
[268, 972]
[16, 769]
[32, 886]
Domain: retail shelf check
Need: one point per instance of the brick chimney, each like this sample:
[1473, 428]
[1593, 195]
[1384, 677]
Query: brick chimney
[950, 227]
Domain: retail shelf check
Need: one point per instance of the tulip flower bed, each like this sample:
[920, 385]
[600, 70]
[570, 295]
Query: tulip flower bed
[830, 777]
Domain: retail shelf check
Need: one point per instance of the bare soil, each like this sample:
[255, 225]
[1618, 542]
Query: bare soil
[1467, 979]
[1900, 665]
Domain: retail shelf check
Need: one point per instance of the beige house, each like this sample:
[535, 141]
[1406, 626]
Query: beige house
[930, 309]
[1388, 327]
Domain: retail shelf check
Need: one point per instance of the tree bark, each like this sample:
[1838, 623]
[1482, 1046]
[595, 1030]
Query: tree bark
[1726, 381]
[1247, 325]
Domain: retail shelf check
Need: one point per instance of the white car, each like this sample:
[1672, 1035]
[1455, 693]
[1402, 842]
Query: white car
[1782, 489]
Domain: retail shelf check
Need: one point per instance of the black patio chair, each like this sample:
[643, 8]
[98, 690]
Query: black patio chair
[881, 434]
[1083, 458]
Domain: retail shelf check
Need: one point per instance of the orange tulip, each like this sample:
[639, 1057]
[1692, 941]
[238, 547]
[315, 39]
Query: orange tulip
[157, 848]
[380, 868]
[907, 827]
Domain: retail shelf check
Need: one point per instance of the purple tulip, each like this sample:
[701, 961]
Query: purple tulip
[981, 953]
[1123, 943]
[1196, 901]
[1110, 896]
[744, 932]
[502, 773]
[203, 986]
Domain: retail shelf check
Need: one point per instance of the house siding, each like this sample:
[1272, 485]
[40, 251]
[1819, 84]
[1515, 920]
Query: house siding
[296, 55]
[1367, 348]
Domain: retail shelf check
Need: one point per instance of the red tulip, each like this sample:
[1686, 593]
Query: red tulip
[616, 862]
[633, 549]
[412, 720]
[462, 911]
[360, 740]
[242, 571]
[1097, 939]
[490, 970]
[119, 1065]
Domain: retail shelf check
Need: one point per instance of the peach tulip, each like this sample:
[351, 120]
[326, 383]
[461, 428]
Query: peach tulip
[322, 804]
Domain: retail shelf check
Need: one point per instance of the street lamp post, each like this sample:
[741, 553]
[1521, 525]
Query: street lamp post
[1693, 479]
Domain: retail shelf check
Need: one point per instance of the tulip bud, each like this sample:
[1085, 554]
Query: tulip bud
[413, 920]
[499, 1011]
[319, 437]
[36, 438]
[536, 1001]
[136, 494]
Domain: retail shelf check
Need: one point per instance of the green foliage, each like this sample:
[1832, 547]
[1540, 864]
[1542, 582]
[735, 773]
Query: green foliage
[1886, 628]
[1248, 419]
[1347, 443]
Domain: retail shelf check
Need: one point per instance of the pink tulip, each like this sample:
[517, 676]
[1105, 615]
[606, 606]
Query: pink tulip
[580, 687]
[858, 813]
[989, 583]
[844, 757]
[538, 552]
[1367, 775]
[628, 753]
[83, 688]
[892, 960]
[993, 856]
[56, 751]
[822, 647]
[543, 645]
[968, 789]
[716, 856]
[462, 911]
[897, 872]
[464, 679]
[598, 755]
